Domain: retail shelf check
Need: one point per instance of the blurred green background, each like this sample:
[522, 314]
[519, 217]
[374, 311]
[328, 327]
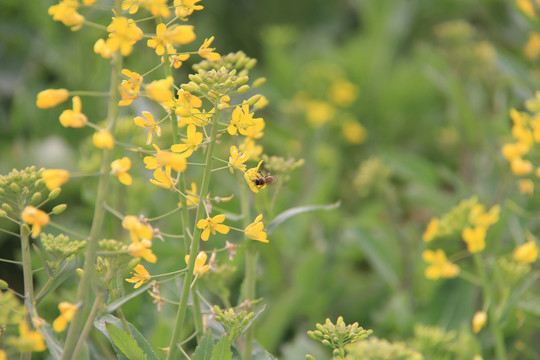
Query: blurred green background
[434, 81]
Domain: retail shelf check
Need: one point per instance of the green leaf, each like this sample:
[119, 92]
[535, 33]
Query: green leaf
[124, 343]
[204, 349]
[100, 324]
[124, 299]
[295, 211]
[222, 351]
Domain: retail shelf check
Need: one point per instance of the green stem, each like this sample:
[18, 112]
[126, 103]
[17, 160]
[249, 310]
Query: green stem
[85, 292]
[176, 335]
[28, 279]
[251, 263]
[493, 320]
[89, 324]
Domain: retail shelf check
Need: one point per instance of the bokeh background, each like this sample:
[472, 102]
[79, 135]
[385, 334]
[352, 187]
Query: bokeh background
[398, 108]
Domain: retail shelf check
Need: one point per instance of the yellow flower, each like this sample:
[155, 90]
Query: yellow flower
[353, 132]
[342, 93]
[242, 121]
[526, 186]
[253, 150]
[130, 88]
[101, 48]
[3, 355]
[520, 166]
[176, 60]
[54, 178]
[51, 97]
[512, 151]
[103, 139]
[160, 90]
[211, 225]
[184, 103]
[478, 321]
[36, 218]
[479, 217]
[475, 238]
[177, 162]
[256, 230]
[28, 340]
[157, 7]
[527, 7]
[66, 12]
[191, 196]
[197, 118]
[140, 276]
[261, 103]
[163, 178]
[208, 53]
[251, 175]
[73, 118]
[440, 266]
[176, 34]
[199, 268]
[67, 311]
[148, 122]
[142, 249]
[319, 112]
[526, 253]
[123, 34]
[190, 144]
[120, 168]
[431, 230]
[237, 160]
[184, 8]
[137, 230]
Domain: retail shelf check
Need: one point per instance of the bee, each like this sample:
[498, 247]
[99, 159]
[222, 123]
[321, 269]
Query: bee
[263, 180]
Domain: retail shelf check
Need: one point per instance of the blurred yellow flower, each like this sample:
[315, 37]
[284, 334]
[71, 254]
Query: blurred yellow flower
[120, 168]
[527, 7]
[149, 123]
[475, 238]
[54, 178]
[73, 118]
[478, 321]
[28, 340]
[67, 311]
[256, 230]
[191, 196]
[526, 253]
[184, 8]
[123, 34]
[35, 217]
[51, 97]
[137, 230]
[101, 48]
[160, 90]
[211, 225]
[206, 52]
[431, 230]
[66, 12]
[440, 266]
[520, 166]
[142, 249]
[479, 217]
[342, 93]
[177, 162]
[512, 151]
[140, 276]
[199, 268]
[526, 186]
[353, 132]
[103, 139]
[130, 88]
[319, 112]
[163, 178]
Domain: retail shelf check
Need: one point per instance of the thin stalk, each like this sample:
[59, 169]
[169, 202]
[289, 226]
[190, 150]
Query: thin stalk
[184, 210]
[176, 335]
[251, 264]
[493, 320]
[84, 293]
[89, 324]
[27, 277]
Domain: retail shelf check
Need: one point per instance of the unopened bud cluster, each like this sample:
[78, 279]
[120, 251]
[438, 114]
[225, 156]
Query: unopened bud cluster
[19, 189]
[338, 335]
[235, 322]
[280, 164]
[61, 247]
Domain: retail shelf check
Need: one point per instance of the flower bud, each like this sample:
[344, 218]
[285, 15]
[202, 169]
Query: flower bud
[242, 89]
[36, 197]
[204, 88]
[259, 82]
[242, 80]
[25, 229]
[54, 194]
[79, 272]
[253, 100]
[191, 87]
[3, 213]
[51, 97]
[7, 207]
[14, 187]
[250, 64]
[58, 209]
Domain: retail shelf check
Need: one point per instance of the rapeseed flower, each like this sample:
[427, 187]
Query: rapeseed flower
[67, 311]
[51, 97]
[66, 12]
[54, 178]
[190, 144]
[160, 90]
[206, 52]
[137, 230]
[73, 117]
[147, 121]
[319, 112]
[256, 230]
[440, 266]
[200, 267]
[342, 92]
[191, 196]
[101, 48]
[163, 178]
[249, 147]
[103, 139]
[184, 103]
[142, 249]
[130, 88]
[184, 8]
[353, 132]
[35, 217]
[28, 340]
[478, 321]
[123, 34]
[177, 162]
[431, 230]
[251, 175]
[140, 276]
[237, 159]
[520, 166]
[526, 253]
[475, 238]
[211, 225]
[120, 168]
[176, 34]
[526, 186]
